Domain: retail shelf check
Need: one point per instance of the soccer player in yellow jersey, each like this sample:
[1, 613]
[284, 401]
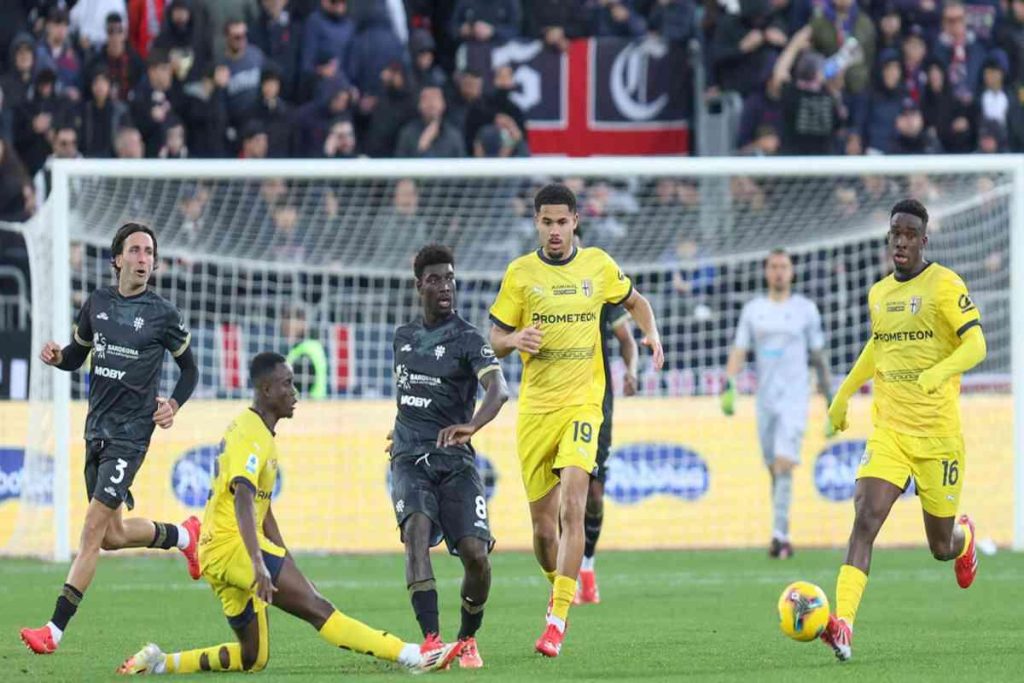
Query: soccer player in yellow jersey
[549, 309]
[243, 556]
[925, 332]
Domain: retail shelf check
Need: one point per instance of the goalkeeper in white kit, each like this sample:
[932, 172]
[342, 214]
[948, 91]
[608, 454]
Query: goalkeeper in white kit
[784, 331]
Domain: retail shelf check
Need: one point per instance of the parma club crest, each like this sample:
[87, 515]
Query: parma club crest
[915, 304]
[588, 288]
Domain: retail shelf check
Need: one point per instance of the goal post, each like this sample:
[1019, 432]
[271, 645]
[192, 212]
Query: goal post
[260, 255]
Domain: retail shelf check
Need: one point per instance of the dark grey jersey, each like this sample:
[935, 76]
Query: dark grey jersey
[436, 373]
[128, 336]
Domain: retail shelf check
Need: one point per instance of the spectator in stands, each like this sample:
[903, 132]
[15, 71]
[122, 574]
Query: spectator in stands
[746, 46]
[485, 110]
[254, 141]
[482, 21]
[35, 121]
[761, 110]
[373, 47]
[277, 34]
[811, 113]
[981, 18]
[119, 59]
[56, 52]
[17, 80]
[328, 31]
[326, 69]
[287, 243]
[878, 127]
[429, 135]
[144, 19]
[315, 118]
[1010, 38]
[394, 108]
[101, 116]
[88, 21]
[425, 70]
[831, 24]
[245, 62]
[991, 138]
[675, 20]
[950, 117]
[556, 22]
[185, 39]
[399, 230]
[502, 139]
[65, 146]
[924, 13]
[174, 140]
[274, 113]
[218, 13]
[914, 51]
[340, 142]
[961, 53]
[890, 28]
[911, 135]
[994, 103]
[16, 195]
[469, 93]
[128, 144]
[617, 18]
[765, 142]
[154, 100]
[190, 216]
[205, 112]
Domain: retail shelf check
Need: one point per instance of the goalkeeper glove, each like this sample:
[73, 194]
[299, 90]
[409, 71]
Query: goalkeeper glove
[728, 398]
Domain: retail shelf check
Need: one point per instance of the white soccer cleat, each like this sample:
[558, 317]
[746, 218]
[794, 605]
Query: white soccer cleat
[145, 661]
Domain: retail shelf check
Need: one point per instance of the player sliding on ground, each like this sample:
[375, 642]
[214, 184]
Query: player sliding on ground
[925, 332]
[435, 486]
[128, 328]
[784, 331]
[548, 309]
[244, 558]
[614, 323]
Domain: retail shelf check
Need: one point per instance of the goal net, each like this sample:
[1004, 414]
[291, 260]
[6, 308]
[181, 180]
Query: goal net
[314, 260]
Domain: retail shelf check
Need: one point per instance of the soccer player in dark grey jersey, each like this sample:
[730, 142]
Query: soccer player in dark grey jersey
[615, 323]
[435, 486]
[128, 328]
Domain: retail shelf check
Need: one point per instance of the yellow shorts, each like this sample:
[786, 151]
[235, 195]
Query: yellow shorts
[227, 568]
[547, 442]
[937, 465]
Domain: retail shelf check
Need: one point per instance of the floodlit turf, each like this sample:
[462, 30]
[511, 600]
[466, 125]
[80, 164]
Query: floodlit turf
[708, 616]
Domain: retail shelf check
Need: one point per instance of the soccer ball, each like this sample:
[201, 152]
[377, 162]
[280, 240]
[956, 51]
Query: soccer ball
[803, 611]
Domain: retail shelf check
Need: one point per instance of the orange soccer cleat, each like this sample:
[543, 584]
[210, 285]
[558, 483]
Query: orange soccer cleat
[966, 566]
[39, 640]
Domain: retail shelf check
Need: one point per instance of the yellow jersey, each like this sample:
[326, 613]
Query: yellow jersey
[248, 457]
[563, 299]
[914, 325]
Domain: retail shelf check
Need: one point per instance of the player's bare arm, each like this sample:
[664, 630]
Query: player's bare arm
[972, 350]
[495, 396]
[640, 310]
[861, 372]
[526, 340]
[822, 374]
[630, 356]
[270, 528]
[245, 513]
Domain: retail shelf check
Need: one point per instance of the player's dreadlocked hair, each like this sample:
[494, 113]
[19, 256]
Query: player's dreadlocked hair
[554, 194]
[262, 364]
[122, 234]
[913, 207]
[431, 255]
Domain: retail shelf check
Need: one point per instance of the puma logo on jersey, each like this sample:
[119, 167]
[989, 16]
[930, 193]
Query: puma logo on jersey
[415, 401]
[109, 372]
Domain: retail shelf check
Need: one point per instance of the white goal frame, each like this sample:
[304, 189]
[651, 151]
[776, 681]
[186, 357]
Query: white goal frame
[64, 171]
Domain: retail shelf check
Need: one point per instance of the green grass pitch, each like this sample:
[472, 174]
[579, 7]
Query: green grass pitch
[707, 616]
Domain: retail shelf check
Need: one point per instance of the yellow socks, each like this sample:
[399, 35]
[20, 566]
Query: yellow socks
[968, 535]
[849, 590]
[342, 631]
[549, 575]
[565, 590]
[226, 657]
